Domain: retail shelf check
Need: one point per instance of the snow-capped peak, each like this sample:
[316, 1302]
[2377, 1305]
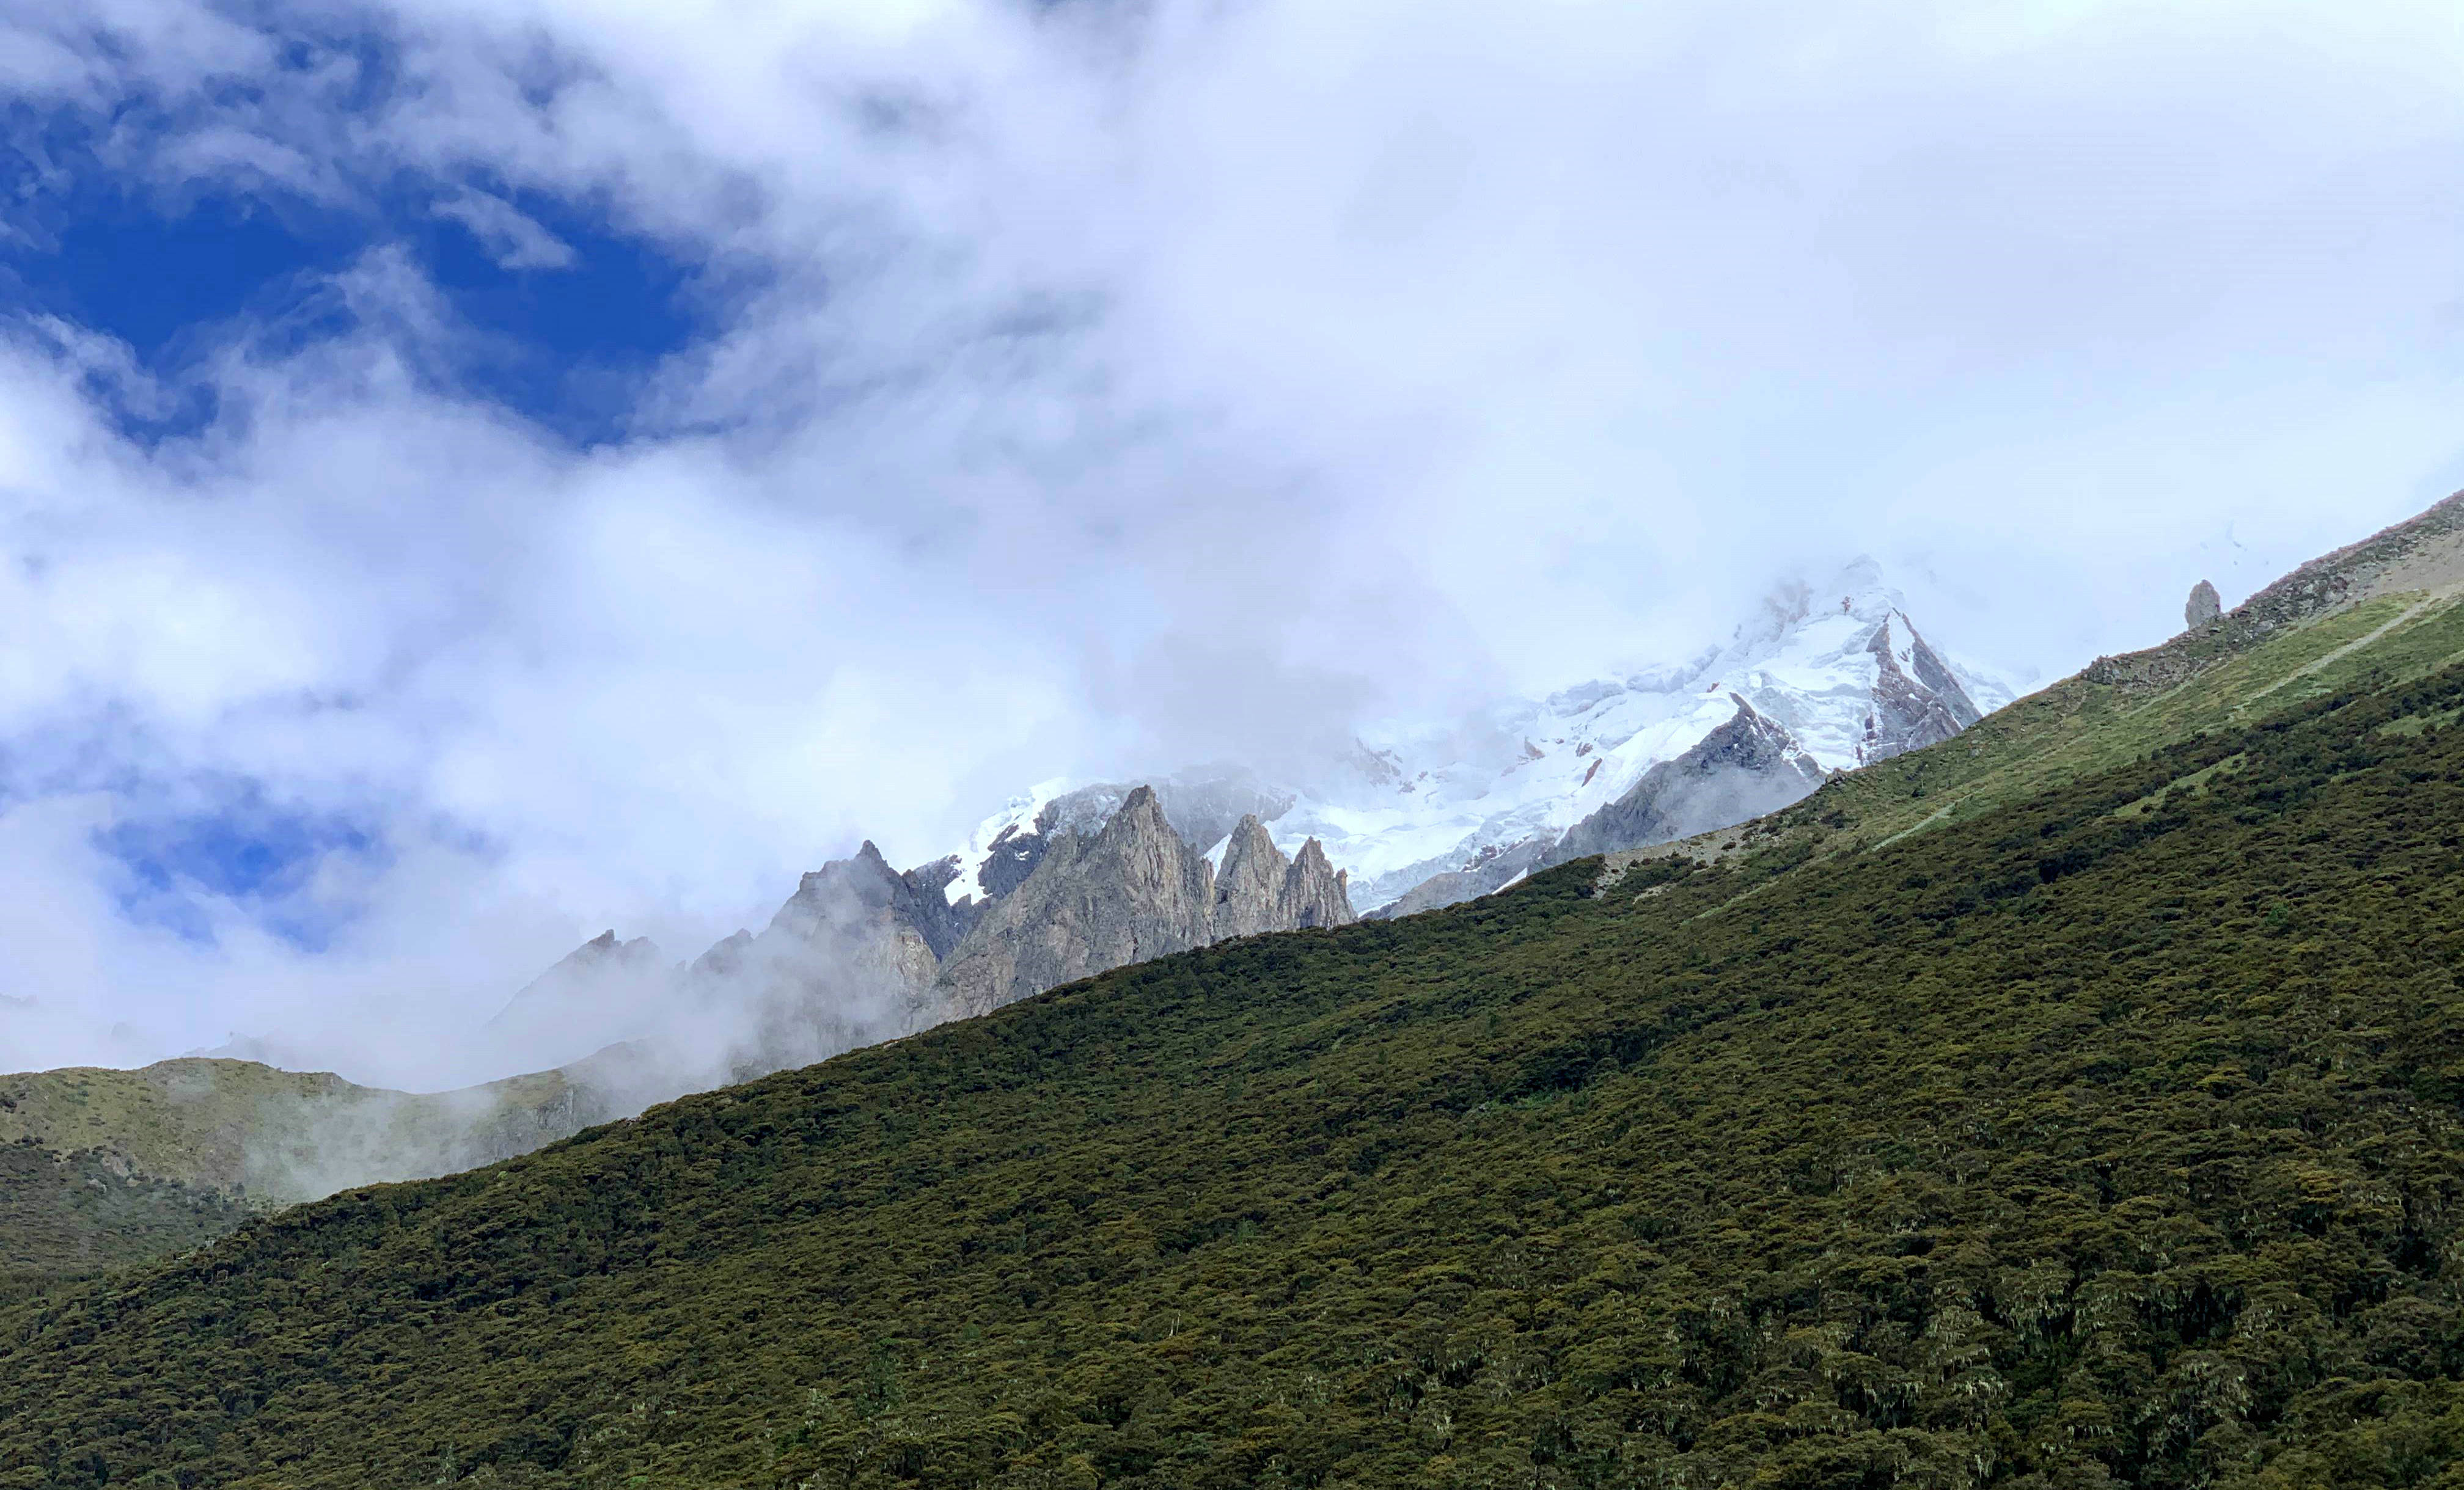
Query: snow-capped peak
[1835, 664]
[1017, 814]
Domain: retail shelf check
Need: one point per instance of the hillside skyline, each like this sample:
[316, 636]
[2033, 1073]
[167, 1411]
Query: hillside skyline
[471, 478]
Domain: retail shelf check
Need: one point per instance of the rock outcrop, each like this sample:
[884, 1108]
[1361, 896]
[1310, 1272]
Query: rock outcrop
[1200, 805]
[1249, 888]
[1918, 701]
[2204, 607]
[2425, 555]
[1258, 890]
[1744, 769]
[838, 966]
[1134, 890]
[1315, 892]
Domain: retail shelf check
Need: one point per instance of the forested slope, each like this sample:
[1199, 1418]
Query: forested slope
[2112, 1133]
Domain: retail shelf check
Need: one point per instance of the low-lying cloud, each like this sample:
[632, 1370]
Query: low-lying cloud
[1091, 389]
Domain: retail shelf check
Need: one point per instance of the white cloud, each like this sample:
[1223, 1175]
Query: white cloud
[1115, 386]
[511, 239]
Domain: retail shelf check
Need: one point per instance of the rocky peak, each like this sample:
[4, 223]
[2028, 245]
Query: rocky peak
[1250, 888]
[1135, 890]
[1314, 891]
[1918, 701]
[844, 895]
[1150, 864]
[2205, 605]
[1259, 890]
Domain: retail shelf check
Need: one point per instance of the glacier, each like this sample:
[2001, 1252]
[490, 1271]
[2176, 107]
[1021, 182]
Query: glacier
[1837, 665]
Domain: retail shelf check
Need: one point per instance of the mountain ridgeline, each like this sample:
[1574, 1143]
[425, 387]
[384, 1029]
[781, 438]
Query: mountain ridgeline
[2075, 1103]
[111, 1166]
[1063, 884]
[862, 952]
[1133, 892]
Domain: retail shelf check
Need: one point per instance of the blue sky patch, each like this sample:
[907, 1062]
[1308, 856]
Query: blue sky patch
[247, 851]
[563, 315]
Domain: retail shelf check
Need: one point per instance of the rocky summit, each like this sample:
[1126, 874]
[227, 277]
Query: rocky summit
[1135, 889]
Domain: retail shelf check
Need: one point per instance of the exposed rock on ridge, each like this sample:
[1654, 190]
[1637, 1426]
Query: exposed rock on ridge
[1315, 892]
[835, 966]
[2205, 605]
[2426, 554]
[1201, 806]
[1134, 890]
[1249, 886]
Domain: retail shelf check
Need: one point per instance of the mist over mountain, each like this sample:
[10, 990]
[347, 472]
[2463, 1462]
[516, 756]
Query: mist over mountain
[542, 469]
[1070, 881]
[1288, 745]
[1057, 885]
[2082, 1080]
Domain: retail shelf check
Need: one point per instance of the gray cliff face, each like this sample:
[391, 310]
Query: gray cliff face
[1134, 890]
[1914, 706]
[1315, 892]
[1258, 891]
[1740, 771]
[1201, 806]
[1249, 890]
[2205, 605]
[835, 967]
[862, 952]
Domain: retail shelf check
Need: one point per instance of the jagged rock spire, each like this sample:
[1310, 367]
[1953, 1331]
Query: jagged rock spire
[1250, 888]
[1314, 891]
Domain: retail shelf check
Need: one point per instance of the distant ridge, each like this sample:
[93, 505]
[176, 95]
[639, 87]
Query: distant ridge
[2424, 554]
[2070, 1102]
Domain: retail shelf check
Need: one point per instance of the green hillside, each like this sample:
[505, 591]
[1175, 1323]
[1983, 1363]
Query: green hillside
[2109, 1134]
[104, 1168]
[66, 1214]
[2383, 612]
[190, 1146]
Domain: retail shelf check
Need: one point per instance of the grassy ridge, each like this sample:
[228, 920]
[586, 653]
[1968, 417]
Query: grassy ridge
[2106, 1135]
[196, 1143]
[2080, 727]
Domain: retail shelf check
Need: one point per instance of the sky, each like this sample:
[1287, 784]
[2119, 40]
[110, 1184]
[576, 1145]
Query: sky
[471, 475]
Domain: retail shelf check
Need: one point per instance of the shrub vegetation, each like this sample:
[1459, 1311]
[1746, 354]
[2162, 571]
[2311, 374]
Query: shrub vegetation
[2106, 1134]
